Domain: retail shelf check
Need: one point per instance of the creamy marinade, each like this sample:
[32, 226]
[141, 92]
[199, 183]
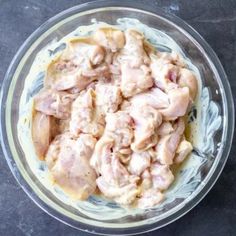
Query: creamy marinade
[34, 82]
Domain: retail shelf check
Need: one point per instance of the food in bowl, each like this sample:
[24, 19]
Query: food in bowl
[111, 117]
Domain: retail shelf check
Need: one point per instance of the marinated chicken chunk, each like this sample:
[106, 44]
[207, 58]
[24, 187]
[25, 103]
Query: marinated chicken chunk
[155, 98]
[75, 67]
[165, 76]
[54, 103]
[43, 130]
[108, 98]
[123, 195]
[134, 80]
[110, 38]
[162, 176]
[102, 150]
[150, 198]
[188, 79]
[165, 128]
[182, 151]
[114, 180]
[133, 52]
[146, 120]
[119, 126]
[84, 116]
[68, 160]
[111, 117]
[178, 103]
[139, 162]
[167, 144]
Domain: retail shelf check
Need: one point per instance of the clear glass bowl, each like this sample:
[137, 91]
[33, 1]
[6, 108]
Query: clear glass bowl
[215, 122]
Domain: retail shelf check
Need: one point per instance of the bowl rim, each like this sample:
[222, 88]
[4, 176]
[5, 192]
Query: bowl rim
[125, 5]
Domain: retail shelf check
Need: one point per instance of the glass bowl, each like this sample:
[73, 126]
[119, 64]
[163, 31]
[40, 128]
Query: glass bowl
[213, 116]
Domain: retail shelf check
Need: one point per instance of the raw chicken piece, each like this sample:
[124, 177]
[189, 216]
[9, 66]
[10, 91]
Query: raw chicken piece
[87, 53]
[114, 172]
[133, 52]
[168, 74]
[146, 120]
[124, 195]
[110, 38]
[139, 162]
[162, 176]
[165, 76]
[102, 151]
[188, 79]
[75, 67]
[68, 162]
[133, 60]
[167, 145]
[154, 98]
[183, 151]
[55, 103]
[84, 117]
[42, 133]
[107, 163]
[65, 74]
[179, 100]
[134, 80]
[115, 180]
[108, 97]
[165, 128]
[97, 73]
[169, 58]
[119, 127]
[146, 180]
[63, 125]
[150, 198]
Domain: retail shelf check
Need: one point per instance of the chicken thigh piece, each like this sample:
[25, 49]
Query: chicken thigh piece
[43, 130]
[101, 150]
[84, 116]
[169, 58]
[123, 195]
[162, 176]
[110, 38]
[188, 79]
[146, 120]
[68, 161]
[179, 100]
[119, 127]
[165, 128]
[135, 80]
[54, 103]
[139, 162]
[133, 53]
[150, 198]
[167, 144]
[183, 151]
[86, 54]
[115, 181]
[75, 67]
[165, 76]
[65, 75]
[108, 97]
[155, 98]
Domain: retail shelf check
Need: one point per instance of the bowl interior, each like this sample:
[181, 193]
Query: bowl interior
[211, 128]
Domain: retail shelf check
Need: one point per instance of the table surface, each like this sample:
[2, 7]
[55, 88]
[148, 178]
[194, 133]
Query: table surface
[216, 22]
